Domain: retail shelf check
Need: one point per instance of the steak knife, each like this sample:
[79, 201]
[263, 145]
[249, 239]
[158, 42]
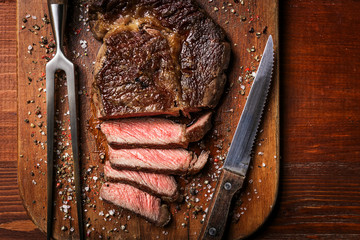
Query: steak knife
[58, 9]
[239, 155]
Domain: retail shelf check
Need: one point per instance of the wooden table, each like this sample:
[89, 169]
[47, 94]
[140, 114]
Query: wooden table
[319, 194]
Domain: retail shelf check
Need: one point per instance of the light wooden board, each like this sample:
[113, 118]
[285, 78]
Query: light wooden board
[254, 203]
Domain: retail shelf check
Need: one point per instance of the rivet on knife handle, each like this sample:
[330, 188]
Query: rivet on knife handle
[215, 222]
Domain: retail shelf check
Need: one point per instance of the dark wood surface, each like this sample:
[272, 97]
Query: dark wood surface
[251, 207]
[319, 194]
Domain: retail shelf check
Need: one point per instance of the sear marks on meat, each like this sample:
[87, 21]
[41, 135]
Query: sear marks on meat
[154, 132]
[137, 201]
[197, 130]
[158, 57]
[136, 76]
[167, 161]
[163, 186]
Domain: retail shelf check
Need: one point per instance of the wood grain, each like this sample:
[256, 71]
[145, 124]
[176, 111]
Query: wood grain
[228, 184]
[254, 203]
[319, 195]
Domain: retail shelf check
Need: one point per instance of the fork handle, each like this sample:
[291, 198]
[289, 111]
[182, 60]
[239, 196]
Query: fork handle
[58, 9]
[57, 1]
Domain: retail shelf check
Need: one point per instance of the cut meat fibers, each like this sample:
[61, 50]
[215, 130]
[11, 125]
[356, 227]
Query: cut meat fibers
[170, 161]
[161, 185]
[144, 132]
[137, 201]
[154, 132]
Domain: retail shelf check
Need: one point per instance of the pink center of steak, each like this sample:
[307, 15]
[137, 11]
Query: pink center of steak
[153, 159]
[133, 199]
[145, 132]
[157, 183]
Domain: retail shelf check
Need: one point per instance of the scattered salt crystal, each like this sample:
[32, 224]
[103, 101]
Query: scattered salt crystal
[95, 178]
[34, 17]
[83, 43]
[101, 213]
[260, 153]
[242, 87]
[263, 164]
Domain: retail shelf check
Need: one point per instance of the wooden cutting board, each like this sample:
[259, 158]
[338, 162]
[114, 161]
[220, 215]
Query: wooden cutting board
[247, 23]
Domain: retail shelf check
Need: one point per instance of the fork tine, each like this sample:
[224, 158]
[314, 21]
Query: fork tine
[70, 75]
[50, 93]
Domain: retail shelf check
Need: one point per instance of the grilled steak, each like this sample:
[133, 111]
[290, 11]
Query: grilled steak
[158, 57]
[197, 130]
[154, 132]
[170, 161]
[137, 201]
[160, 185]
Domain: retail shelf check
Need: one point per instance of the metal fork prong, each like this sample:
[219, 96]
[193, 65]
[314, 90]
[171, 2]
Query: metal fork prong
[70, 75]
[50, 106]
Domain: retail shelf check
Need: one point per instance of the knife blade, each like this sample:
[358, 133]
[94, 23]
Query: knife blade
[58, 9]
[239, 155]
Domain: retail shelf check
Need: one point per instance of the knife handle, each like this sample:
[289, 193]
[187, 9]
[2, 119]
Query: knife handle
[218, 211]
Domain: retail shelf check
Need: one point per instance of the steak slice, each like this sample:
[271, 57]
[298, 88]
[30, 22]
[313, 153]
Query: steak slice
[137, 201]
[161, 185]
[169, 161]
[196, 131]
[154, 132]
[158, 57]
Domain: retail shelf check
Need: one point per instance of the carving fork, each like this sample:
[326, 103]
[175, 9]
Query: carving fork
[57, 9]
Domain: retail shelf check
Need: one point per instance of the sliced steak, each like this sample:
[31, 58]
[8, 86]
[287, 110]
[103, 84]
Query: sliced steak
[170, 161]
[158, 57]
[144, 132]
[154, 132]
[196, 131]
[160, 185]
[137, 201]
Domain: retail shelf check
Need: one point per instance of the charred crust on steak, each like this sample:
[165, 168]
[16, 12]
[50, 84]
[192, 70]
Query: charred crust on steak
[199, 164]
[189, 55]
[199, 128]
